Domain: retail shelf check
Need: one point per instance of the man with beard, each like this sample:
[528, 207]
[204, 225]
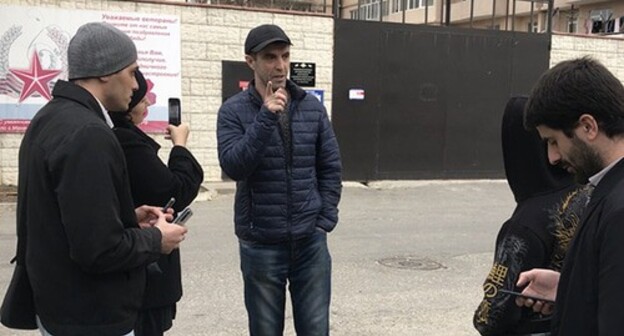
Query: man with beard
[578, 109]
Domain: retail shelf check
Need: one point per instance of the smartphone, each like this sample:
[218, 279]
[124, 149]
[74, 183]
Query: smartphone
[183, 216]
[512, 293]
[169, 204]
[175, 112]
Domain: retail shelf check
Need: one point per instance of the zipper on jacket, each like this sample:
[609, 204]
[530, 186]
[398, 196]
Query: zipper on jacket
[288, 158]
[251, 224]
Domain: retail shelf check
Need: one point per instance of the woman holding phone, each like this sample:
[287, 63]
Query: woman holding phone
[154, 182]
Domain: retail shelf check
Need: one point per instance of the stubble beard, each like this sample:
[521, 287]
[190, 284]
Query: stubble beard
[587, 161]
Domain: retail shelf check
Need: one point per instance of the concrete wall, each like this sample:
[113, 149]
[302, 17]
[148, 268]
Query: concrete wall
[209, 35]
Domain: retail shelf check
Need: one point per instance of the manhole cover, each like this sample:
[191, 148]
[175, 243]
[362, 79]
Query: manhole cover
[408, 262]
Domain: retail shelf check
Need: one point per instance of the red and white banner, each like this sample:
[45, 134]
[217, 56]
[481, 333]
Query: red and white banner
[33, 56]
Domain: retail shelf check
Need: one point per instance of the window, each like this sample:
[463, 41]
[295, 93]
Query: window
[573, 26]
[369, 9]
[532, 27]
[573, 20]
[397, 5]
[412, 4]
[602, 21]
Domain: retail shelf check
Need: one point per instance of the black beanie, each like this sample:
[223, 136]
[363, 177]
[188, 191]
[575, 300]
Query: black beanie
[138, 95]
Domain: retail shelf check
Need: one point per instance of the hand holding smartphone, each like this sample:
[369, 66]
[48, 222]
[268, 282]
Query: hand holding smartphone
[169, 204]
[183, 216]
[525, 296]
[175, 112]
[154, 267]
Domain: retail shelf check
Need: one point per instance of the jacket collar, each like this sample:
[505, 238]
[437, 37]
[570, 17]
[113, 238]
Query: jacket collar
[71, 91]
[121, 120]
[607, 183]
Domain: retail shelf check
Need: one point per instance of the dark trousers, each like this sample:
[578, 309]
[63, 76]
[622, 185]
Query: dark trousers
[155, 321]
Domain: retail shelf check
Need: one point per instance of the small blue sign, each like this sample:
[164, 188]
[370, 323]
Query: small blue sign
[316, 93]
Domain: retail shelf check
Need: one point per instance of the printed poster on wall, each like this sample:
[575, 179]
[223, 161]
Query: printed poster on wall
[33, 56]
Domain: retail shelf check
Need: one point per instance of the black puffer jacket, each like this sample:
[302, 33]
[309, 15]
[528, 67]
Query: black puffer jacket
[280, 195]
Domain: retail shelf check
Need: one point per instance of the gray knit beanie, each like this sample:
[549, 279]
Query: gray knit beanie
[99, 49]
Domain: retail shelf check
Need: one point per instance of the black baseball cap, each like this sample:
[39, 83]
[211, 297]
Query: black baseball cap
[261, 36]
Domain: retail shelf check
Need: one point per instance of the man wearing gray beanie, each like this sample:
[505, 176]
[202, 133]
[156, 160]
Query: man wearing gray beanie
[99, 49]
[87, 245]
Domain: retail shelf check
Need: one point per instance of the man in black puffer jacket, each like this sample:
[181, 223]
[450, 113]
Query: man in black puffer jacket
[277, 142]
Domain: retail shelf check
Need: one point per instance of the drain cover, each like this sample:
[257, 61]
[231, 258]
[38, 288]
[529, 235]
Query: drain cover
[411, 262]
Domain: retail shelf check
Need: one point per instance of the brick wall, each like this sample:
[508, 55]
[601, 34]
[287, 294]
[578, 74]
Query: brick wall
[209, 35]
[212, 34]
[607, 50]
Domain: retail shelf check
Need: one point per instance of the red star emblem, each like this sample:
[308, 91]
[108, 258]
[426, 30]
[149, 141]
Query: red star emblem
[35, 79]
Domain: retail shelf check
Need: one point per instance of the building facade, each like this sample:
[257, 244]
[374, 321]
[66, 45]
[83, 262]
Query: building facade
[604, 17]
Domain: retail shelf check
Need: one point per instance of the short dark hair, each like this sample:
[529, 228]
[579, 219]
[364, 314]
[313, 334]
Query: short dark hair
[573, 88]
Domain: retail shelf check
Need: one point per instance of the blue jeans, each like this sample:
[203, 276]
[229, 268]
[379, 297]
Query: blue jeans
[306, 265]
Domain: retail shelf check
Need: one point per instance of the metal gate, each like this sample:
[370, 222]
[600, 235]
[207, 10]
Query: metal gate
[421, 102]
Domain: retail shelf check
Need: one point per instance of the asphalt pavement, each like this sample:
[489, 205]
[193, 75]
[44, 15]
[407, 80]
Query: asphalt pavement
[409, 259]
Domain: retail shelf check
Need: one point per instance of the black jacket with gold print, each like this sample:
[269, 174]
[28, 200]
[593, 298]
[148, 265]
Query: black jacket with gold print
[537, 235]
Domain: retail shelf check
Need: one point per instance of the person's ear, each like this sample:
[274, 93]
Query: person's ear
[588, 126]
[251, 62]
[105, 79]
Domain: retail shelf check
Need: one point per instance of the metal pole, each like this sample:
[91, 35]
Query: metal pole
[531, 21]
[550, 16]
[426, 11]
[513, 17]
[506, 14]
[380, 10]
[448, 13]
[494, 12]
[471, 12]
[403, 5]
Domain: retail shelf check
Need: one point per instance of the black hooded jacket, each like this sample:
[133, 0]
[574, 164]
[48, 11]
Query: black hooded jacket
[538, 232]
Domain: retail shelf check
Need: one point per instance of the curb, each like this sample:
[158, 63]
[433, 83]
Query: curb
[212, 190]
